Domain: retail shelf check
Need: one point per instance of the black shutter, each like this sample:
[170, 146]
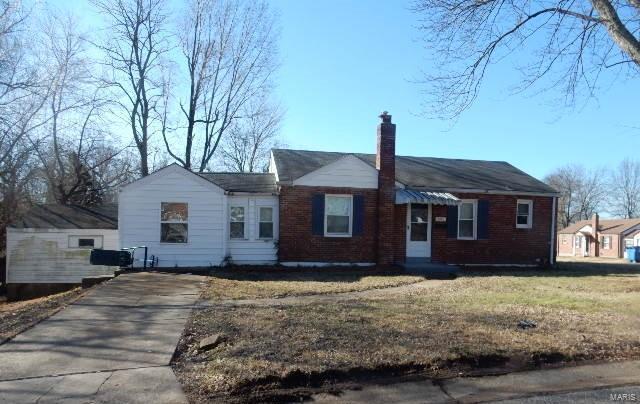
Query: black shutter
[483, 219]
[358, 215]
[452, 221]
[317, 215]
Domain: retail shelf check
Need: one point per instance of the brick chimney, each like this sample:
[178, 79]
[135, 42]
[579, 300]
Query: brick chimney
[386, 165]
[595, 221]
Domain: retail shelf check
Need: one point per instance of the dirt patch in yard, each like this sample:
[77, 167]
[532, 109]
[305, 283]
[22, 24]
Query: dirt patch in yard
[466, 326]
[16, 317]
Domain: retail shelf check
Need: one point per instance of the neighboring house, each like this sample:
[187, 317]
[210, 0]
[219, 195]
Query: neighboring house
[316, 208]
[48, 249]
[609, 238]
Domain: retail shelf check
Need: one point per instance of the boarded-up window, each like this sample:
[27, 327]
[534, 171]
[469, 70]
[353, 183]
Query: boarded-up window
[174, 227]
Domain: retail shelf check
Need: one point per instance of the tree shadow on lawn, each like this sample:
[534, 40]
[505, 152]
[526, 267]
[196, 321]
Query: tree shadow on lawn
[296, 274]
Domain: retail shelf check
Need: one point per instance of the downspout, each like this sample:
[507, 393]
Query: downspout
[552, 257]
[225, 228]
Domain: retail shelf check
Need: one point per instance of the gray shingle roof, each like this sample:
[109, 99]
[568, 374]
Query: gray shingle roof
[243, 182]
[428, 173]
[54, 216]
[605, 226]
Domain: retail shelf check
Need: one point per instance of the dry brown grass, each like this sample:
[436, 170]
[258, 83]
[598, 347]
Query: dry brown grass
[15, 317]
[243, 283]
[581, 314]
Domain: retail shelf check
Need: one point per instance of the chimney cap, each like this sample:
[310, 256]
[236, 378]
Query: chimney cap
[386, 118]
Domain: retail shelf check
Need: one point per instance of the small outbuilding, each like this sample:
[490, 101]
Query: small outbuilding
[48, 249]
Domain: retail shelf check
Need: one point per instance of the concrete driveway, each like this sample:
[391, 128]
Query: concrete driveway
[113, 345]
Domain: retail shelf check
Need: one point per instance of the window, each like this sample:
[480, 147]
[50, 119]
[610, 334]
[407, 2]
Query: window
[236, 222]
[467, 212]
[265, 222]
[564, 239]
[524, 214]
[628, 242]
[86, 242]
[578, 241]
[173, 222]
[606, 242]
[419, 223]
[337, 215]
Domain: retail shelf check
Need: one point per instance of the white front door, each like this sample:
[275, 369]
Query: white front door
[418, 230]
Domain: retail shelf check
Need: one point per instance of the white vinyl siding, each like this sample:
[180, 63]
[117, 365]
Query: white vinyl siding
[54, 255]
[348, 171]
[139, 213]
[253, 249]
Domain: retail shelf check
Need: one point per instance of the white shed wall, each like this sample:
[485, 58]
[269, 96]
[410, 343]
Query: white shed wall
[139, 218]
[49, 255]
[253, 250]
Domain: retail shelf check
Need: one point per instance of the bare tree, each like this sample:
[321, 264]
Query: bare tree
[22, 97]
[134, 45]
[73, 145]
[247, 145]
[625, 187]
[582, 192]
[572, 42]
[229, 50]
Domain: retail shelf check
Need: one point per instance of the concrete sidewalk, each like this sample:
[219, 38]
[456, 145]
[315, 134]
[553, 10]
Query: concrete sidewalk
[113, 345]
[589, 383]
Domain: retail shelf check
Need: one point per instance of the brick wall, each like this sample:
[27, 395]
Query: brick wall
[614, 250]
[297, 243]
[506, 244]
[565, 249]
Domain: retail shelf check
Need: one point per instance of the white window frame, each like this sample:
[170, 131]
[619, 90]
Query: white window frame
[606, 242]
[259, 221]
[529, 223]
[174, 221]
[577, 241]
[475, 219]
[245, 229]
[350, 197]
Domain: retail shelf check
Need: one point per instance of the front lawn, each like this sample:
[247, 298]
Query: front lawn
[249, 283]
[455, 327]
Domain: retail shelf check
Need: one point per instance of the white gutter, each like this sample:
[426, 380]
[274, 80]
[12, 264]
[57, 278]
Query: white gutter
[554, 240]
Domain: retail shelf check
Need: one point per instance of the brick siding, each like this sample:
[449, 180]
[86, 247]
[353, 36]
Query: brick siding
[297, 243]
[506, 243]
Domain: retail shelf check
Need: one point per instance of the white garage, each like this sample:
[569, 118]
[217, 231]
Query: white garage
[48, 249]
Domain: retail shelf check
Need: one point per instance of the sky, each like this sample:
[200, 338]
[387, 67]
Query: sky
[345, 61]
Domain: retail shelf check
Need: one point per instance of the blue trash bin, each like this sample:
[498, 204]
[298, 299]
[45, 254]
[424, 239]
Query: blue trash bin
[632, 254]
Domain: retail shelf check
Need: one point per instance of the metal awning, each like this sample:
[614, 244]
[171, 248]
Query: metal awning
[434, 198]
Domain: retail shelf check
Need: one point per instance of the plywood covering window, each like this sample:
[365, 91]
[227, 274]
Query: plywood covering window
[236, 222]
[174, 226]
